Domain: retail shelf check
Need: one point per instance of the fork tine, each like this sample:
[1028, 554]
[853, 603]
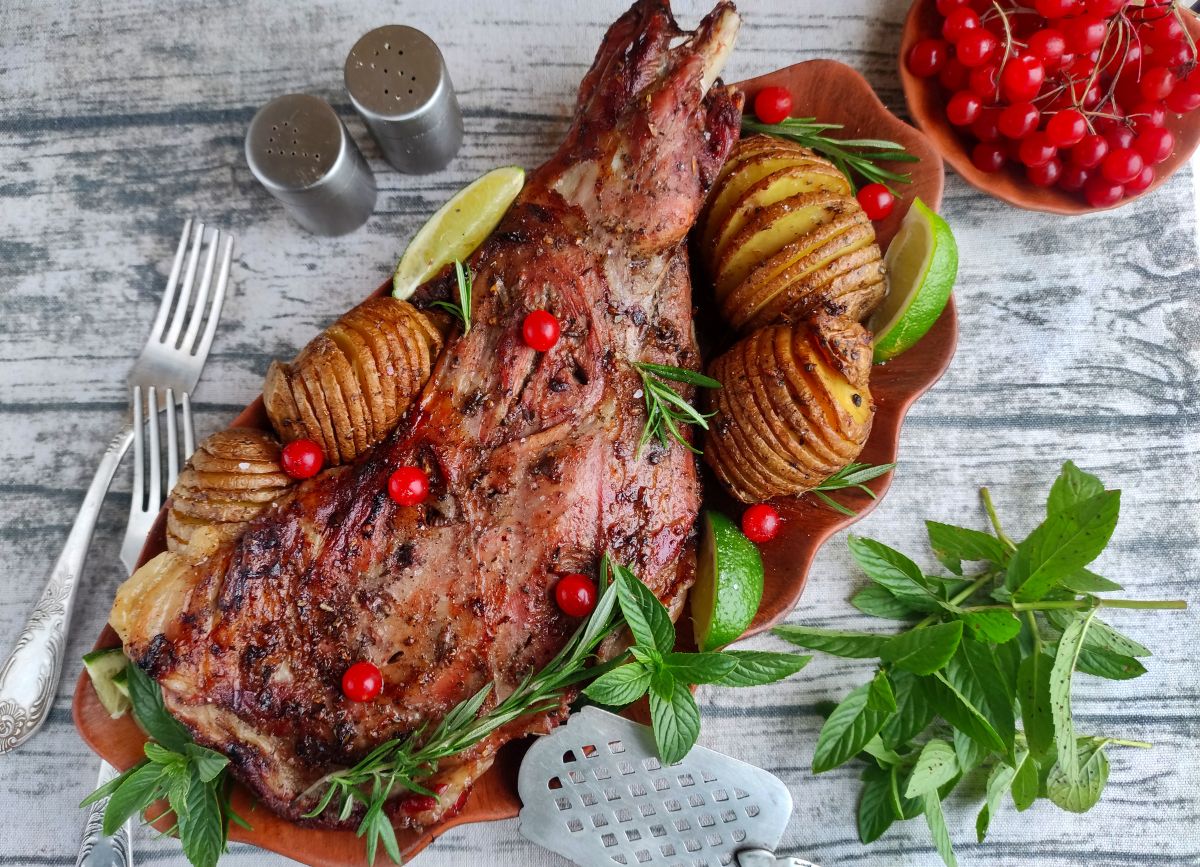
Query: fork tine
[154, 488]
[139, 450]
[198, 309]
[189, 434]
[160, 319]
[185, 295]
[218, 299]
[172, 442]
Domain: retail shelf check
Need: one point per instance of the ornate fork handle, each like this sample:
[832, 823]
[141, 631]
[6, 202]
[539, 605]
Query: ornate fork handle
[30, 674]
[96, 850]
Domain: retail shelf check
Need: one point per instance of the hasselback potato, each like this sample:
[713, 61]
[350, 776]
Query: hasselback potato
[349, 387]
[233, 475]
[794, 407]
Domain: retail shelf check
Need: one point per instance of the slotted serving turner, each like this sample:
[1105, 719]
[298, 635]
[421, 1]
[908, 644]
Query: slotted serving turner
[595, 792]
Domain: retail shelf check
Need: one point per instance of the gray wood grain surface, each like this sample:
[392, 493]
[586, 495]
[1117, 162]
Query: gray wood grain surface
[1080, 339]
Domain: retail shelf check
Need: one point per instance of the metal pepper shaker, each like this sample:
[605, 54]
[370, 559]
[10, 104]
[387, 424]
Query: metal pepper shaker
[397, 80]
[300, 150]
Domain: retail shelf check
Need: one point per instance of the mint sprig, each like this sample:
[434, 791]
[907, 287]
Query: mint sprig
[979, 684]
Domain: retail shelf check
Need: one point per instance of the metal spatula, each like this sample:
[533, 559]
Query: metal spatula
[595, 792]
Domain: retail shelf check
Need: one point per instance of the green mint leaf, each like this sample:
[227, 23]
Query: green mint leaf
[848, 729]
[647, 617]
[936, 819]
[1072, 487]
[1025, 783]
[994, 626]
[758, 667]
[1086, 581]
[999, 784]
[960, 711]
[913, 710]
[674, 717]
[150, 712]
[970, 753]
[201, 826]
[621, 686]
[111, 786]
[1080, 792]
[925, 650]
[936, 766]
[889, 568]
[851, 645]
[951, 545]
[647, 656]
[208, 764]
[1101, 663]
[138, 790]
[882, 754]
[880, 696]
[160, 755]
[875, 813]
[1033, 690]
[1100, 636]
[1008, 658]
[974, 674]
[904, 807]
[877, 601]
[1060, 694]
[1061, 545]
[692, 668]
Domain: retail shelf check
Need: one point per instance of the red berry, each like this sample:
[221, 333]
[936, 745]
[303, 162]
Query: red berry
[1022, 78]
[954, 76]
[1066, 128]
[408, 486]
[1163, 31]
[1045, 175]
[761, 523]
[1056, 8]
[1156, 83]
[1141, 183]
[984, 82]
[877, 201]
[575, 595]
[302, 459]
[1034, 150]
[927, 56]
[1122, 165]
[945, 7]
[1148, 114]
[1018, 120]
[984, 128]
[1105, 8]
[988, 157]
[1084, 34]
[540, 330]
[773, 104]
[975, 47]
[362, 681]
[1181, 55]
[1119, 137]
[1155, 144]
[1090, 151]
[1184, 97]
[963, 108]
[1048, 46]
[958, 23]
[1073, 177]
[1100, 192]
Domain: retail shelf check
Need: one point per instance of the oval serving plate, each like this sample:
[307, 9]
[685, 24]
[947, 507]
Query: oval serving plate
[822, 88]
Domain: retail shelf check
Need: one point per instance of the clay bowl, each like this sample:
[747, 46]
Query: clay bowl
[927, 102]
[828, 90]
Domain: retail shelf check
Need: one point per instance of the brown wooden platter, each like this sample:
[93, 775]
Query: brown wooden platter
[832, 92]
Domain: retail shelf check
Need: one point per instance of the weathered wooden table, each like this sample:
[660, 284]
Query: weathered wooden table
[1080, 339]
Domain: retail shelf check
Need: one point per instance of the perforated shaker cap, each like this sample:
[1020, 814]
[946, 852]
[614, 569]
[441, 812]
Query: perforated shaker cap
[397, 79]
[300, 150]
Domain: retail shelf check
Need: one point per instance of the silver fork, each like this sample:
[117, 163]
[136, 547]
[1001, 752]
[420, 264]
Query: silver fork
[95, 849]
[172, 358]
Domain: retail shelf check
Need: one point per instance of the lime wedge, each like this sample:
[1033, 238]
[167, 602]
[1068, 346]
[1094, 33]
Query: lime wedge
[729, 583]
[458, 227]
[106, 668]
[922, 264]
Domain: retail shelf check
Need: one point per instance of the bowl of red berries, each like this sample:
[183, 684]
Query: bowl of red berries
[1063, 106]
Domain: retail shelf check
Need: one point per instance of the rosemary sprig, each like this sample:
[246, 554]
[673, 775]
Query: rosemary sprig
[666, 410]
[850, 476]
[852, 156]
[461, 310]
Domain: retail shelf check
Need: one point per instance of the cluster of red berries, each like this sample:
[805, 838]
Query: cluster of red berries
[1076, 92]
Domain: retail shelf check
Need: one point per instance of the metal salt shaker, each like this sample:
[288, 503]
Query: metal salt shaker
[398, 81]
[300, 150]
